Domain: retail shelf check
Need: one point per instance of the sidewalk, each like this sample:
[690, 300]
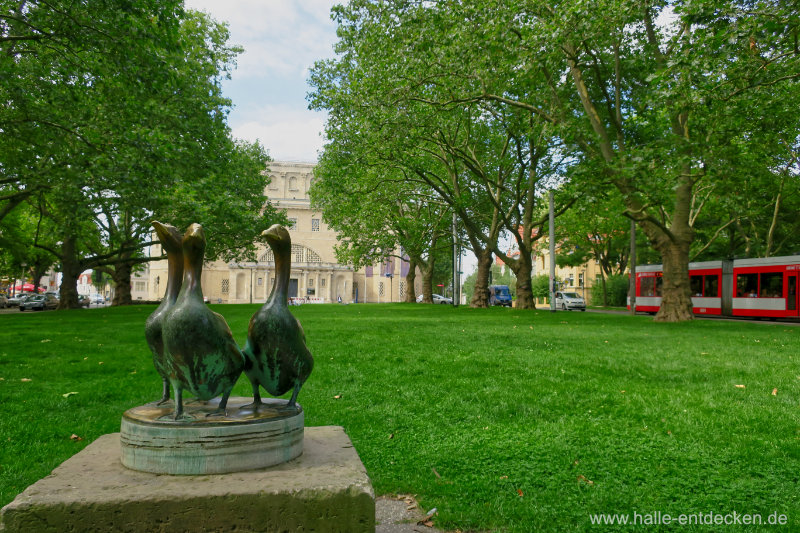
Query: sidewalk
[401, 515]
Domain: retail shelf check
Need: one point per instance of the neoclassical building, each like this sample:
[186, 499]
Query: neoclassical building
[316, 275]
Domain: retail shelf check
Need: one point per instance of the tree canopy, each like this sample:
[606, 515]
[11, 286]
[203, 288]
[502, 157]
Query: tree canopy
[667, 103]
[115, 116]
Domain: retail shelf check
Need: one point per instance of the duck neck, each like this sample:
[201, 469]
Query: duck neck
[192, 269]
[280, 290]
[174, 275]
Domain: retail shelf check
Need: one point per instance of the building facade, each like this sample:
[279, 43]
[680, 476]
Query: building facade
[316, 275]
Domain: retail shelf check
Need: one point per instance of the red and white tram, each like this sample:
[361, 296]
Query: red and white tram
[742, 287]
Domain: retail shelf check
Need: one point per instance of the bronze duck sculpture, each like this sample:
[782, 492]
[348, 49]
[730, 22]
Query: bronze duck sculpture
[199, 350]
[170, 239]
[276, 356]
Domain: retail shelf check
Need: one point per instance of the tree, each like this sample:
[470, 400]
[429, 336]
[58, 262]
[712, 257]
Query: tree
[485, 161]
[118, 118]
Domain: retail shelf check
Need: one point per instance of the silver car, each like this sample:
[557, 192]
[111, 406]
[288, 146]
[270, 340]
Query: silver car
[567, 301]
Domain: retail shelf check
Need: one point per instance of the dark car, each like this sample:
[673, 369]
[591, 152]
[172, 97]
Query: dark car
[499, 295]
[39, 302]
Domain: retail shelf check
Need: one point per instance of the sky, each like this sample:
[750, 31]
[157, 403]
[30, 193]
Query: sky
[282, 40]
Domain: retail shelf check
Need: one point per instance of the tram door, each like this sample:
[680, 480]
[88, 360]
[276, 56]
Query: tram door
[792, 303]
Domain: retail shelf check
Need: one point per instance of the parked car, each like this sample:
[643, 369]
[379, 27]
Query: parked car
[18, 298]
[567, 301]
[3, 301]
[499, 295]
[97, 299]
[39, 302]
[439, 299]
[83, 301]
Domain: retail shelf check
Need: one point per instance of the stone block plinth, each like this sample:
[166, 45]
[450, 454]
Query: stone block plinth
[325, 489]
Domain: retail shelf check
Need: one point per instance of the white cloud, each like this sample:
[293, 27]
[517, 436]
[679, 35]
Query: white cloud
[282, 40]
[283, 37]
[289, 134]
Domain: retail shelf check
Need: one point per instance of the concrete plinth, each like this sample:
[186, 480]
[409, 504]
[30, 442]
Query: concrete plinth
[325, 489]
[207, 443]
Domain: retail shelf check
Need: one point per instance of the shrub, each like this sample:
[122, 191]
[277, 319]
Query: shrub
[616, 290]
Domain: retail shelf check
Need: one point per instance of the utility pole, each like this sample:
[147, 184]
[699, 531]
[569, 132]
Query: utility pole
[552, 255]
[632, 284]
[456, 277]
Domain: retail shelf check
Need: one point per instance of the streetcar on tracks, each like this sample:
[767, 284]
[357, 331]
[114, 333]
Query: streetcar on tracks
[765, 287]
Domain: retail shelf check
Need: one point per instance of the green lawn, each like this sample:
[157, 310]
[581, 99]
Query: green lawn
[503, 420]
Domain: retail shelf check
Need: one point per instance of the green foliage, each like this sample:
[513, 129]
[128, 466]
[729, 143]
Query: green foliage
[114, 116]
[531, 428]
[616, 291]
[540, 286]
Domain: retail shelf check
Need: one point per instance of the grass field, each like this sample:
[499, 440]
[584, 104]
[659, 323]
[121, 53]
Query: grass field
[503, 420]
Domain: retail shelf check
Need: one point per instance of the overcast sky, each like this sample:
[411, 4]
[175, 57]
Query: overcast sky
[282, 40]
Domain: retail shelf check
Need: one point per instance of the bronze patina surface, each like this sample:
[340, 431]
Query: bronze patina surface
[156, 413]
[170, 239]
[199, 351]
[276, 356]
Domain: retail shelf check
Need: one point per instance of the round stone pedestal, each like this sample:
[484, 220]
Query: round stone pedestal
[241, 440]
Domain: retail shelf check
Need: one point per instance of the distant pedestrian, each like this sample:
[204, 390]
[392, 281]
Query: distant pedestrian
[339, 299]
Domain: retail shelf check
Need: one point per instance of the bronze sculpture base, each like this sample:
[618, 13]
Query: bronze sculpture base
[209, 443]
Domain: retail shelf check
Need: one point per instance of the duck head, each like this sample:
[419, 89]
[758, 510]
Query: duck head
[278, 238]
[169, 236]
[194, 243]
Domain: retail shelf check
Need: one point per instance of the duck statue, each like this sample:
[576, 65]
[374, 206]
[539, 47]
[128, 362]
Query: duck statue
[170, 239]
[276, 356]
[199, 351]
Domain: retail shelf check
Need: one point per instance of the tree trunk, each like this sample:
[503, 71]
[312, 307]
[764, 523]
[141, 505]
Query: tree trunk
[411, 278]
[676, 297]
[480, 293]
[427, 281]
[70, 271]
[522, 270]
[121, 274]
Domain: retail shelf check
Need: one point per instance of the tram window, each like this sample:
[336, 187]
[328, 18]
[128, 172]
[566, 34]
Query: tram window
[659, 281]
[696, 284]
[647, 287]
[747, 285]
[772, 284]
[711, 287]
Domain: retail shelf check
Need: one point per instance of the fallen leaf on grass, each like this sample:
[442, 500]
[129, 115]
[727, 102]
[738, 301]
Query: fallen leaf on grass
[775, 392]
[426, 523]
[46, 340]
[503, 477]
[68, 394]
[739, 386]
[411, 507]
[337, 396]
[585, 480]
[438, 475]
[75, 437]
[26, 379]
[391, 435]
[100, 363]
[521, 494]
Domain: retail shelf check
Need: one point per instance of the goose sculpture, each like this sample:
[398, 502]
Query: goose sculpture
[200, 353]
[276, 356]
[170, 239]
